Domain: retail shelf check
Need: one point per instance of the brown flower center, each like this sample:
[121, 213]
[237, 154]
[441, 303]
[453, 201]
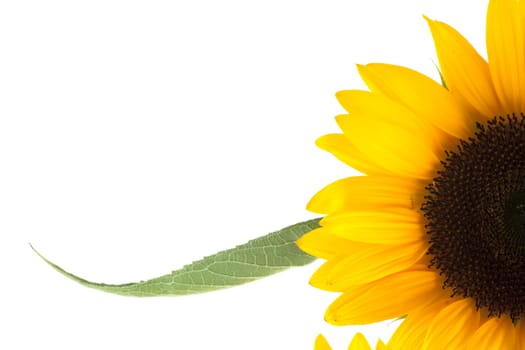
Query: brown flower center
[475, 212]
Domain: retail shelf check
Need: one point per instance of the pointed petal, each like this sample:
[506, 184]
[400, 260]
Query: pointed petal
[321, 343]
[345, 151]
[379, 105]
[367, 192]
[359, 343]
[326, 245]
[521, 336]
[506, 52]
[496, 333]
[465, 72]
[453, 326]
[398, 150]
[388, 298]
[377, 227]
[389, 134]
[420, 94]
[381, 346]
[411, 333]
[369, 263]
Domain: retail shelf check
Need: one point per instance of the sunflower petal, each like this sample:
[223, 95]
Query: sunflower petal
[381, 346]
[411, 333]
[452, 326]
[399, 150]
[359, 342]
[420, 94]
[344, 150]
[377, 227]
[325, 245]
[404, 292]
[366, 263]
[378, 105]
[506, 52]
[496, 333]
[465, 72]
[321, 343]
[521, 336]
[367, 192]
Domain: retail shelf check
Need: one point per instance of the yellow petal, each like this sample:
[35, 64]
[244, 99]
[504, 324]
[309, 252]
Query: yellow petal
[398, 148]
[388, 298]
[453, 326]
[411, 333]
[381, 346]
[420, 94]
[377, 227]
[359, 343]
[465, 72]
[380, 106]
[496, 333]
[389, 134]
[321, 343]
[506, 52]
[366, 264]
[521, 335]
[344, 150]
[367, 192]
[326, 245]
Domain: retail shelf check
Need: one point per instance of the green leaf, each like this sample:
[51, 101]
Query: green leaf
[258, 258]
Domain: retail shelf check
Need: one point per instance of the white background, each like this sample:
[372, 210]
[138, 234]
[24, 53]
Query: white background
[137, 136]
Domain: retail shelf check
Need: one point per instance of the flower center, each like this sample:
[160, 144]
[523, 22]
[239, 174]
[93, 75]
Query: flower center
[475, 212]
[516, 217]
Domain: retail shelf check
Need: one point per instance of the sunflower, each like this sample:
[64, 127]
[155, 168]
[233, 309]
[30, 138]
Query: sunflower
[435, 229]
[359, 342]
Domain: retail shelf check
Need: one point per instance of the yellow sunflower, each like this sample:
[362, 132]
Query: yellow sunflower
[359, 342]
[435, 231]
